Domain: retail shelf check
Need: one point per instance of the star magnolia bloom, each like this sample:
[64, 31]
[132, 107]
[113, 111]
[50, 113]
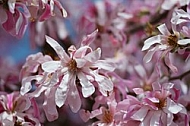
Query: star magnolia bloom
[13, 111]
[159, 108]
[167, 42]
[83, 65]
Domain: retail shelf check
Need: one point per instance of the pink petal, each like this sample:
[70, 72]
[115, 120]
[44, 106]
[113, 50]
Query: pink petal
[87, 40]
[140, 114]
[140, 71]
[80, 62]
[155, 119]
[148, 57]
[3, 15]
[46, 14]
[23, 103]
[59, 5]
[169, 64]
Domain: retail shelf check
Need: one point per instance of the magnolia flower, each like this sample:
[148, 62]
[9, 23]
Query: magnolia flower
[13, 110]
[105, 115]
[14, 17]
[158, 107]
[83, 65]
[166, 42]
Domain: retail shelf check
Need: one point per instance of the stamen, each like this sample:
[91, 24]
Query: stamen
[172, 40]
[73, 65]
[162, 103]
[107, 117]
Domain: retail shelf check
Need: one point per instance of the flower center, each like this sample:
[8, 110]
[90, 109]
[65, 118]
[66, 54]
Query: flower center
[107, 117]
[162, 103]
[172, 40]
[72, 65]
[147, 87]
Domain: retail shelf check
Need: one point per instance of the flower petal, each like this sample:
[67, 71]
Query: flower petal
[164, 30]
[140, 114]
[51, 66]
[184, 42]
[73, 97]
[87, 87]
[94, 55]
[150, 41]
[58, 49]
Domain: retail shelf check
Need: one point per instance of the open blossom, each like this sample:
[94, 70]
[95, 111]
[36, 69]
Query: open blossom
[13, 110]
[159, 107]
[83, 65]
[105, 115]
[166, 42]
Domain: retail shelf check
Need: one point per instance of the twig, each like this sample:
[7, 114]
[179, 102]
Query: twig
[180, 76]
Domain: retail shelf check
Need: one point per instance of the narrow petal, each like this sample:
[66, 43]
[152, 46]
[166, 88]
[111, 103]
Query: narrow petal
[169, 64]
[148, 57]
[164, 30]
[140, 71]
[87, 87]
[80, 62]
[155, 119]
[51, 66]
[73, 97]
[140, 114]
[105, 85]
[93, 56]
[184, 42]
[150, 41]
[105, 65]
[173, 107]
[87, 40]
[26, 83]
[58, 49]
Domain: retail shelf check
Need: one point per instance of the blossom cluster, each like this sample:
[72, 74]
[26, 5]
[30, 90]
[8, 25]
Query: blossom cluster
[108, 63]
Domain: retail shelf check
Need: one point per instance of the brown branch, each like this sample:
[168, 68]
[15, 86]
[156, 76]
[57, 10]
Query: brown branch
[180, 77]
[155, 19]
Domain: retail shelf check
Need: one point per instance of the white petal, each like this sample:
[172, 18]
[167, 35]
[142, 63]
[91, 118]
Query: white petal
[80, 62]
[164, 30]
[94, 55]
[60, 96]
[103, 64]
[148, 57]
[87, 87]
[150, 41]
[73, 97]
[58, 49]
[184, 41]
[51, 66]
[173, 107]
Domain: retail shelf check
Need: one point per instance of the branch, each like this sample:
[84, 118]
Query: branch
[155, 19]
[180, 76]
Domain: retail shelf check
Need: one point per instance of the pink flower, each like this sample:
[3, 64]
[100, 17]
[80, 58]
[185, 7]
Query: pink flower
[83, 65]
[13, 19]
[105, 115]
[42, 10]
[158, 107]
[166, 42]
[14, 110]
